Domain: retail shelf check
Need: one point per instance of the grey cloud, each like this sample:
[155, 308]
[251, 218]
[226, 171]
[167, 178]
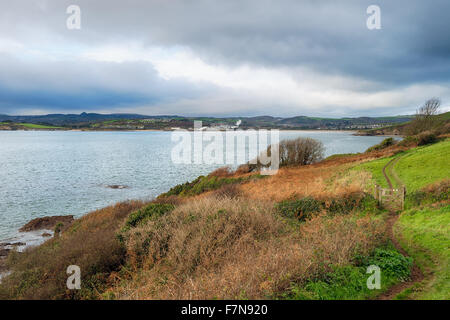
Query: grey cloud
[328, 37]
[86, 85]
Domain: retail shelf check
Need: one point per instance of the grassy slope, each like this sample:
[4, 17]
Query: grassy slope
[424, 165]
[417, 167]
[375, 168]
[424, 232]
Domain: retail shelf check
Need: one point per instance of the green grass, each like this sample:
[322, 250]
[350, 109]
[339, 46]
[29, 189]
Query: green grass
[424, 165]
[350, 282]
[376, 170]
[37, 126]
[425, 235]
[417, 167]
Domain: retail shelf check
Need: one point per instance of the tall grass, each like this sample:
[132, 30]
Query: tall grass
[235, 248]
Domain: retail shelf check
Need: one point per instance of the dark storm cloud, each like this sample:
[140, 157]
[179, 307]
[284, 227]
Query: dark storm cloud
[84, 85]
[329, 37]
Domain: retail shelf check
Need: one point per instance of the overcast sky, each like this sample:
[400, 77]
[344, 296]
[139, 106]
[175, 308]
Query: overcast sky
[224, 57]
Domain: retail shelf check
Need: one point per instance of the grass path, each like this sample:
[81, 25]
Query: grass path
[416, 274]
[390, 170]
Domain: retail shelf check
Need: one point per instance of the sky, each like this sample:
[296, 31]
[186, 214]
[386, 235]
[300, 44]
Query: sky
[223, 58]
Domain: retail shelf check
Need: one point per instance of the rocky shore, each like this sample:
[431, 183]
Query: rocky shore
[45, 224]
[48, 223]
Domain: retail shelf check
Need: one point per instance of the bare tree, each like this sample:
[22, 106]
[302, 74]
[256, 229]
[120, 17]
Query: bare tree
[300, 151]
[430, 108]
[425, 119]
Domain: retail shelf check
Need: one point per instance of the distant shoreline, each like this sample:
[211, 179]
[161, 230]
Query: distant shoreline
[170, 130]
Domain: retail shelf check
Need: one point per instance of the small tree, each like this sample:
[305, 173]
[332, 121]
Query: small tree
[300, 151]
[425, 119]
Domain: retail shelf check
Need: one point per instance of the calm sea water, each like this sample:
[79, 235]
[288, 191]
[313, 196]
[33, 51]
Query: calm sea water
[60, 173]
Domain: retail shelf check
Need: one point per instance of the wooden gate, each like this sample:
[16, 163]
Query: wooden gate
[391, 199]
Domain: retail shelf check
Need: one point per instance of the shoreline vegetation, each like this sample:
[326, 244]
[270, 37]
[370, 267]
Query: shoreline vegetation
[308, 232]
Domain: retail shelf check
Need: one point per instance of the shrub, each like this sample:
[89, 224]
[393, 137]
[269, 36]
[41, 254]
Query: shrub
[425, 117]
[221, 172]
[355, 201]
[298, 152]
[301, 151]
[392, 263]
[430, 194]
[302, 209]
[382, 145]
[206, 183]
[306, 208]
[151, 211]
[425, 138]
[349, 282]
[243, 168]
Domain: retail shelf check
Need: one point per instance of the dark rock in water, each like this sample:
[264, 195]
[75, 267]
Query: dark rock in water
[46, 223]
[117, 186]
[12, 244]
[46, 234]
[4, 252]
[17, 244]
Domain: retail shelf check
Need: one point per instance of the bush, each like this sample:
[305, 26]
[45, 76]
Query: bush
[306, 208]
[349, 282]
[221, 172]
[382, 145]
[301, 151]
[151, 211]
[302, 209]
[430, 194]
[425, 138]
[206, 183]
[391, 263]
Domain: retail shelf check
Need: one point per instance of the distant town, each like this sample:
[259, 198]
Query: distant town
[99, 122]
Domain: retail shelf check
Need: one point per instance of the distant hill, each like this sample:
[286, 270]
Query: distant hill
[442, 122]
[71, 119]
[96, 121]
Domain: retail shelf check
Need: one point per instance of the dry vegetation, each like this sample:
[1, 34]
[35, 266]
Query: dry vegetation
[227, 241]
[234, 248]
[90, 243]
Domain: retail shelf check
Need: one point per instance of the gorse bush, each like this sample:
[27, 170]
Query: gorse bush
[303, 209]
[206, 183]
[425, 138]
[200, 185]
[382, 145]
[151, 211]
